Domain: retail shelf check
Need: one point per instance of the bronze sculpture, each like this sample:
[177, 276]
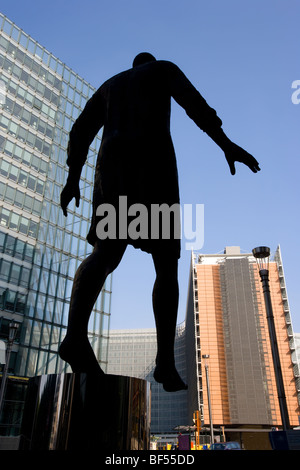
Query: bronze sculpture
[136, 159]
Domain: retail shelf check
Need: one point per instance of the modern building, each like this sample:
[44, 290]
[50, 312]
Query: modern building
[40, 249]
[132, 353]
[224, 338]
[226, 320]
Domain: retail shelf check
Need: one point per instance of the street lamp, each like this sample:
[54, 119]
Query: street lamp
[205, 357]
[13, 327]
[262, 255]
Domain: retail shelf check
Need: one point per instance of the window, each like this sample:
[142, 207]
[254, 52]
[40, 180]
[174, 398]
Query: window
[15, 274]
[19, 249]
[4, 270]
[4, 217]
[4, 122]
[18, 153]
[29, 252]
[40, 306]
[13, 128]
[10, 194]
[33, 227]
[22, 134]
[40, 187]
[26, 157]
[21, 303]
[28, 202]
[26, 116]
[31, 183]
[37, 103]
[35, 162]
[14, 221]
[39, 52]
[30, 138]
[24, 224]
[37, 207]
[8, 149]
[4, 167]
[10, 300]
[22, 178]
[13, 173]
[2, 141]
[10, 243]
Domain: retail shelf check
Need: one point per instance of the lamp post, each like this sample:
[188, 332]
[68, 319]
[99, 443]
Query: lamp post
[262, 255]
[13, 327]
[205, 357]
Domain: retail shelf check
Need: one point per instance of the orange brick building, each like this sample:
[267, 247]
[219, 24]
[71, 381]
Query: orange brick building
[226, 319]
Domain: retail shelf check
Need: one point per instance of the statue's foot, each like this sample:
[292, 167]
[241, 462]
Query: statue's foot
[80, 355]
[169, 378]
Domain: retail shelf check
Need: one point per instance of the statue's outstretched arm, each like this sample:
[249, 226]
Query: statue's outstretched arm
[206, 118]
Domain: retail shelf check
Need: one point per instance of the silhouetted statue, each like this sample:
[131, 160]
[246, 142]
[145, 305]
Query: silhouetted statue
[137, 160]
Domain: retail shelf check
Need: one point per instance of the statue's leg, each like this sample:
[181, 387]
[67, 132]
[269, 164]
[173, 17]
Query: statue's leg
[165, 307]
[88, 282]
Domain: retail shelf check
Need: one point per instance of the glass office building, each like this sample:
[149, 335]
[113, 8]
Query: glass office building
[40, 249]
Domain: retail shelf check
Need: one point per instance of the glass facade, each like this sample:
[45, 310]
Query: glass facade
[40, 249]
[132, 353]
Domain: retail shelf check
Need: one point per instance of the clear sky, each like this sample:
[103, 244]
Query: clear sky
[243, 57]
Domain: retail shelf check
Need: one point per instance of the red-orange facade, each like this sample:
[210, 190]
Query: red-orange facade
[231, 327]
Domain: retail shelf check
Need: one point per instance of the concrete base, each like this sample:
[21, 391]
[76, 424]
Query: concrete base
[82, 412]
[9, 443]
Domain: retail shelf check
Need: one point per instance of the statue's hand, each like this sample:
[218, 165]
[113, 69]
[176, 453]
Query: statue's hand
[234, 153]
[70, 190]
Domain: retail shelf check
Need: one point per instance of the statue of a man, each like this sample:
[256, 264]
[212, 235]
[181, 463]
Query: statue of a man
[137, 160]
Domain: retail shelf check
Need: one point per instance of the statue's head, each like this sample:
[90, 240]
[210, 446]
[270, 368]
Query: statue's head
[143, 58]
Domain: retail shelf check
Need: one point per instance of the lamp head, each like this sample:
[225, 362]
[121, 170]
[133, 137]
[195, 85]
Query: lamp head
[262, 255]
[13, 327]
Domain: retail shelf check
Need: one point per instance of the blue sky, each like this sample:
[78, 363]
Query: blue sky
[243, 57]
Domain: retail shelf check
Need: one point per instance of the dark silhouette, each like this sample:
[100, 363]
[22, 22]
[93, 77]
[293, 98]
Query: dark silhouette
[136, 159]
